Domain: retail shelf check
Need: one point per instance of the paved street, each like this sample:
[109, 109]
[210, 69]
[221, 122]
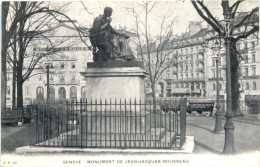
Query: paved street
[247, 135]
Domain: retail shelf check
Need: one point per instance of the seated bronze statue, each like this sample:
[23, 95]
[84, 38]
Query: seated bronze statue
[107, 43]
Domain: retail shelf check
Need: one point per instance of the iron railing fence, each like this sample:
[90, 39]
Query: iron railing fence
[109, 124]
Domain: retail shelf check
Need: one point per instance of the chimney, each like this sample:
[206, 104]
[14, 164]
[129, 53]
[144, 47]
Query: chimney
[194, 27]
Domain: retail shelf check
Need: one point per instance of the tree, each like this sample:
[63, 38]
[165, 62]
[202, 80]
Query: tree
[156, 51]
[5, 41]
[248, 20]
[29, 20]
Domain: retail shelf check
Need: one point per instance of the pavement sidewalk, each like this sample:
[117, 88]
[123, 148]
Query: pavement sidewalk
[246, 134]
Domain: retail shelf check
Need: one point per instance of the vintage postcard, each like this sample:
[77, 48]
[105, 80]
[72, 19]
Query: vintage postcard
[130, 83]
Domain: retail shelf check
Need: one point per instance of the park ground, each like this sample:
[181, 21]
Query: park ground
[247, 136]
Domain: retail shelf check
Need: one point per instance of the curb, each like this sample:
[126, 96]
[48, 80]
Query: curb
[186, 148]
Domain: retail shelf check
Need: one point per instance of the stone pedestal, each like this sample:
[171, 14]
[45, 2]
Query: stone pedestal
[115, 80]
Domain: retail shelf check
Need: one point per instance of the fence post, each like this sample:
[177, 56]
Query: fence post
[183, 110]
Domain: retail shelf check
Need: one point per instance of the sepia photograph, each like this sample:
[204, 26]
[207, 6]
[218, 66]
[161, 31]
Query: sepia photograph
[100, 83]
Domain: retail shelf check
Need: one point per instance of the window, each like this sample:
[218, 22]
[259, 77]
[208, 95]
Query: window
[239, 71]
[177, 85]
[27, 90]
[52, 93]
[238, 46]
[213, 86]
[245, 46]
[213, 63]
[220, 86]
[73, 65]
[197, 85]
[219, 62]
[219, 73]
[191, 50]
[187, 76]
[247, 86]
[246, 58]
[39, 93]
[254, 85]
[246, 71]
[73, 76]
[62, 79]
[8, 92]
[61, 65]
[51, 77]
[253, 70]
[167, 75]
[62, 93]
[253, 58]
[198, 75]
[40, 77]
[253, 45]
[213, 73]
[73, 93]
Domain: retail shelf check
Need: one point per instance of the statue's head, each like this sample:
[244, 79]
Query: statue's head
[108, 11]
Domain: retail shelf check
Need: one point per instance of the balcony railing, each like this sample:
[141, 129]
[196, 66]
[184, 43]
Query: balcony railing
[200, 69]
[168, 86]
[201, 50]
[62, 82]
[200, 60]
[188, 80]
[252, 77]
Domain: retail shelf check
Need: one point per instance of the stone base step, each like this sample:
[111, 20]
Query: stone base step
[157, 133]
[161, 140]
[153, 134]
[107, 144]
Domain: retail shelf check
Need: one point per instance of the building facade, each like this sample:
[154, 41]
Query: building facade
[186, 75]
[65, 64]
[193, 74]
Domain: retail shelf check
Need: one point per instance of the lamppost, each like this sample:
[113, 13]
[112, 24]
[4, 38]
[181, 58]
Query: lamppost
[229, 146]
[48, 81]
[218, 123]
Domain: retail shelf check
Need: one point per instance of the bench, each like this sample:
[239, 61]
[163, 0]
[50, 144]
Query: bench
[201, 107]
[10, 116]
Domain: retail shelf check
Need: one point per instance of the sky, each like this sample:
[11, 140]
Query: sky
[181, 11]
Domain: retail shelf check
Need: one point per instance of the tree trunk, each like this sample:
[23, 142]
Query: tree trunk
[234, 60]
[20, 65]
[19, 89]
[3, 80]
[5, 8]
[14, 74]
